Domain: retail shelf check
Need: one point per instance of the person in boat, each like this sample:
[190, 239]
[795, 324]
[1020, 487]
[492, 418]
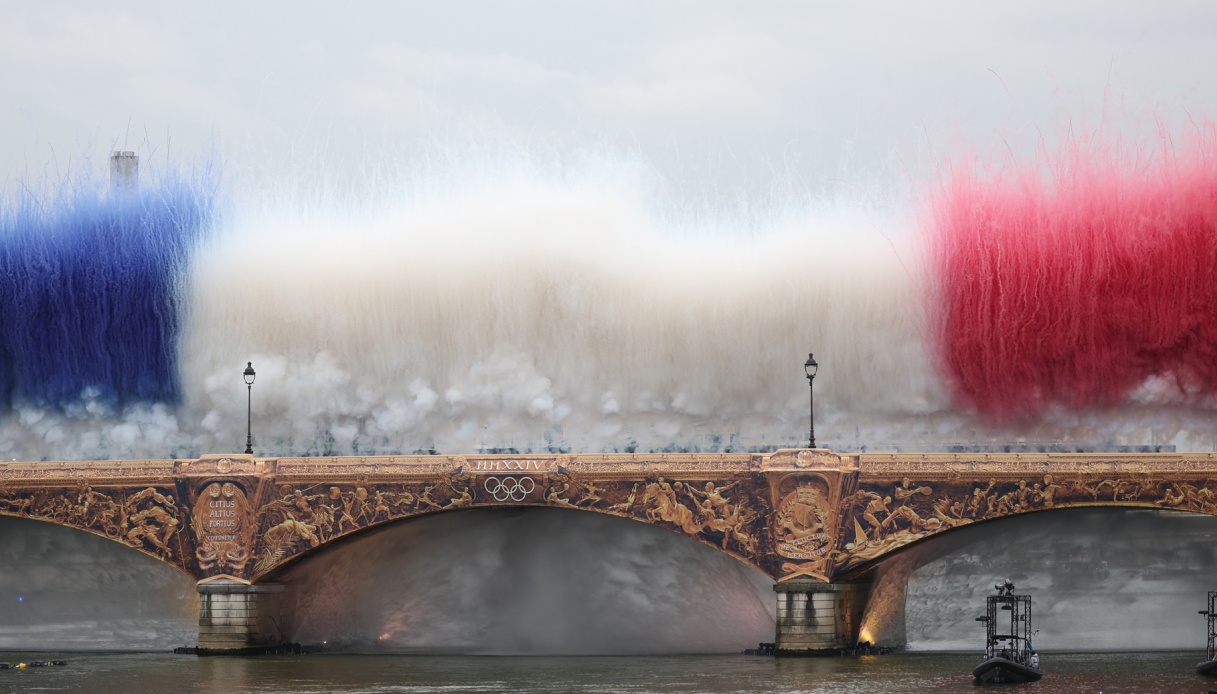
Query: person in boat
[1035, 660]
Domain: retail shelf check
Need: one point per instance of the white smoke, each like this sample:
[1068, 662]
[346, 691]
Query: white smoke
[531, 314]
[501, 302]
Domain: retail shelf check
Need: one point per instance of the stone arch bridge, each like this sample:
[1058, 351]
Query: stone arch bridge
[815, 521]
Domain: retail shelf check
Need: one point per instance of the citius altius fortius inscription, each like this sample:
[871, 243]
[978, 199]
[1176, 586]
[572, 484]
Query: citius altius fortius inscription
[221, 525]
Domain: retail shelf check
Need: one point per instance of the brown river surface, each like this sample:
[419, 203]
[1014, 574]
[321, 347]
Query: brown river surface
[122, 673]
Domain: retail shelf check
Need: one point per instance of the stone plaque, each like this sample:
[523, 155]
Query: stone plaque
[483, 466]
[222, 528]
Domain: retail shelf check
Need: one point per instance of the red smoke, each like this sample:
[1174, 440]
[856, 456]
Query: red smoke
[1074, 283]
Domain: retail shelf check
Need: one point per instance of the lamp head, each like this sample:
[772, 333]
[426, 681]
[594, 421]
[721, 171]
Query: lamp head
[249, 373]
[811, 366]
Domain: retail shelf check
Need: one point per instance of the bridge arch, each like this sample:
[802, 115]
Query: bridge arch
[68, 589]
[1090, 570]
[887, 513]
[525, 579]
[921, 540]
[302, 522]
[148, 519]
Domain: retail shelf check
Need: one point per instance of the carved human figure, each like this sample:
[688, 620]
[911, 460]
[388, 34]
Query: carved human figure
[1012, 501]
[154, 525]
[97, 509]
[657, 495]
[425, 497]
[1116, 486]
[665, 506]
[461, 500]
[381, 505]
[629, 501]
[1169, 499]
[297, 529]
[709, 519]
[946, 512]
[916, 523]
[352, 506]
[981, 498]
[874, 507]
[1198, 498]
[681, 514]
[714, 495]
[737, 522]
[589, 494]
[15, 504]
[903, 491]
[554, 495]
[150, 493]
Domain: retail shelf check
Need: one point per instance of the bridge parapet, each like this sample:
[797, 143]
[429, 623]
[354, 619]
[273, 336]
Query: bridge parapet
[794, 514]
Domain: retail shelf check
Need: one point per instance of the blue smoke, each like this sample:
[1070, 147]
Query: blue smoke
[91, 295]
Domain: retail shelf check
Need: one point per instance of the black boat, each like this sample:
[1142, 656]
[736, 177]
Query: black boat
[1009, 655]
[1209, 666]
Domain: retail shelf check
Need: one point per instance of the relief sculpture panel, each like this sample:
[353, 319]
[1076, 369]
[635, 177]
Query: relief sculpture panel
[147, 518]
[792, 514]
[886, 515]
[731, 515]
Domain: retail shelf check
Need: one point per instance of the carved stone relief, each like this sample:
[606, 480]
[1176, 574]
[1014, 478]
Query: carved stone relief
[223, 526]
[809, 514]
[147, 518]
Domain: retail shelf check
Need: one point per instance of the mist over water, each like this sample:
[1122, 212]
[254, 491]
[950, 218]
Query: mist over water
[62, 588]
[1099, 579]
[528, 581]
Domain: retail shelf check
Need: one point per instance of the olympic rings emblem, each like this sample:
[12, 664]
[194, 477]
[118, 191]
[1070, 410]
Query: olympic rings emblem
[509, 488]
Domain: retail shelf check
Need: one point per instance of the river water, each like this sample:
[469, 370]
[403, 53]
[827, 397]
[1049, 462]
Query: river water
[115, 673]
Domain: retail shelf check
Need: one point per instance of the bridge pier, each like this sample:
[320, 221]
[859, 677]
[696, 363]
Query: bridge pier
[816, 618]
[238, 618]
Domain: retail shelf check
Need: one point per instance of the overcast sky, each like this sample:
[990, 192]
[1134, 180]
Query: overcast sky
[741, 92]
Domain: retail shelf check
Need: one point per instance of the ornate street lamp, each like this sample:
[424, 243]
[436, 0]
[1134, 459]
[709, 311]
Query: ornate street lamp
[811, 367]
[249, 388]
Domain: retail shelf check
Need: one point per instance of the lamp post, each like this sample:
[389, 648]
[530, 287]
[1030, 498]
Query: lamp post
[249, 388]
[810, 367]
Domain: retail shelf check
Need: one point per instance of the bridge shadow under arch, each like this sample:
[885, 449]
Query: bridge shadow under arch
[950, 536]
[1101, 577]
[525, 580]
[65, 588]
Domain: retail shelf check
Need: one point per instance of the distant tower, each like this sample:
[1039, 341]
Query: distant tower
[124, 173]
